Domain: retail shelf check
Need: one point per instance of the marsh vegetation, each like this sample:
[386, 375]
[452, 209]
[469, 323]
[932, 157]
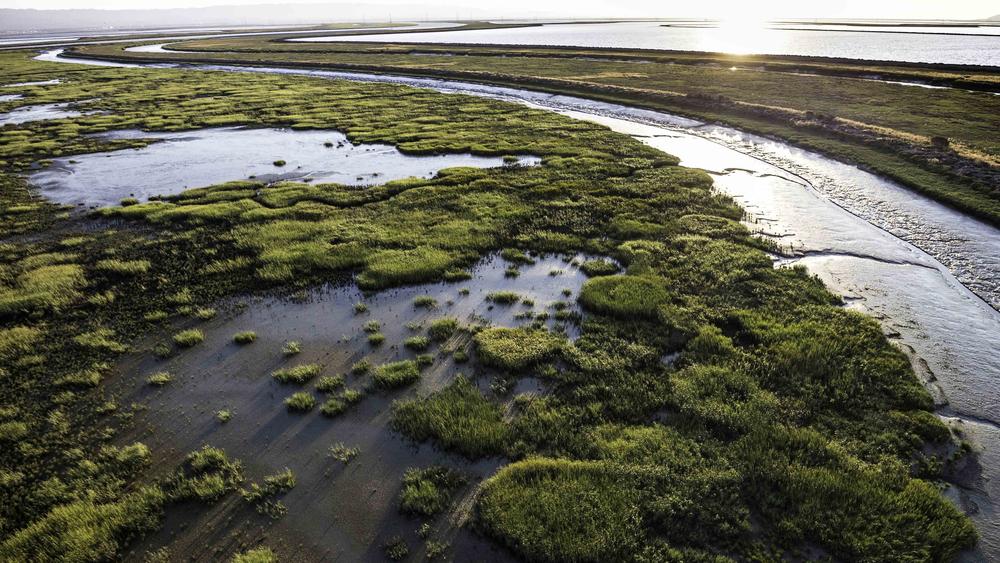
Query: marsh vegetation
[787, 426]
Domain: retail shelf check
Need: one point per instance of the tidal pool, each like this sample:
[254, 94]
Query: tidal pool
[35, 83]
[337, 511]
[192, 159]
[40, 112]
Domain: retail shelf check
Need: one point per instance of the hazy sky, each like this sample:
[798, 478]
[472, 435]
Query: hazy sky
[759, 9]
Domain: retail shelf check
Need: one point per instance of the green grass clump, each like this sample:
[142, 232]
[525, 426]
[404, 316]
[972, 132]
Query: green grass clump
[626, 297]
[280, 163]
[128, 201]
[516, 256]
[302, 401]
[342, 453]
[205, 313]
[417, 343]
[291, 348]
[361, 367]
[86, 530]
[276, 484]
[333, 407]
[396, 374]
[396, 267]
[561, 510]
[258, 555]
[424, 302]
[360, 308]
[376, 338]
[329, 383]
[504, 297]
[396, 549]
[442, 329]
[298, 374]
[458, 418]
[43, 289]
[224, 415]
[595, 268]
[372, 326]
[516, 348]
[428, 491]
[100, 339]
[435, 548]
[123, 267]
[245, 337]
[159, 379]
[189, 338]
[156, 316]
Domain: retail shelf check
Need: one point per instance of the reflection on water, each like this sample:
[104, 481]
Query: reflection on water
[743, 36]
[758, 39]
[212, 156]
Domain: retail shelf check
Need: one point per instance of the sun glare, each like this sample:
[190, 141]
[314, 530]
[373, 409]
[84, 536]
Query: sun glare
[742, 35]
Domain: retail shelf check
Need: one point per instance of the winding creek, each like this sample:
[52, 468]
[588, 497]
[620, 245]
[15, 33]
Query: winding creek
[930, 274]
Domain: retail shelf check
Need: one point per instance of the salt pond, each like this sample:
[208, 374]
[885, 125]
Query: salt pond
[179, 161]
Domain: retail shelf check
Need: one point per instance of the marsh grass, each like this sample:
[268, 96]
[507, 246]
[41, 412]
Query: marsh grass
[245, 337]
[257, 555]
[302, 401]
[291, 348]
[428, 491]
[458, 418]
[396, 374]
[786, 428]
[189, 338]
[516, 348]
[298, 374]
[343, 454]
[329, 383]
[440, 330]
[123, 267]
[159, 379]
[417, 343]
[424, 302]
[595, 268]
[503, 297]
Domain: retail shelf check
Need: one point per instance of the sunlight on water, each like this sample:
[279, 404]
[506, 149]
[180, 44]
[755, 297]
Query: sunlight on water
[742, 35]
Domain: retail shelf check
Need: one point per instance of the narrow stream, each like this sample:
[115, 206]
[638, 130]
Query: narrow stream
[930, 274]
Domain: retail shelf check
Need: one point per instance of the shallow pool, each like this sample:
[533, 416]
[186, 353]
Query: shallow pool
[179, 161]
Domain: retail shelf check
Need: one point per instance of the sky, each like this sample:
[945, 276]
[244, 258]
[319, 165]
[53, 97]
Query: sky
[757, 9]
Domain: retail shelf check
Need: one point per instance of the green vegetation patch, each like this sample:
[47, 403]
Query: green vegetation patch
[245, 337]
[428, 491]
[303, 401]
[560, 510]
[458, 418]
[189, 338]
[297, 374]
[626, 297]
[396, 374]
[515, 349]
[442, 329]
